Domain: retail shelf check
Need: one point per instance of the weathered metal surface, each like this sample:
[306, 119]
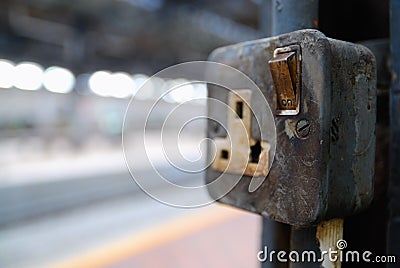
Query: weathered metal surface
[314, 177]
[353, 113]
[373, 221]
[381, 50]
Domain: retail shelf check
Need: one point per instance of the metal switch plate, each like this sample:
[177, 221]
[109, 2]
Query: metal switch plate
[324, 160]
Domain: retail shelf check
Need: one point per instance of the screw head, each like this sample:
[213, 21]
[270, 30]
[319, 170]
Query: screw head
[303, 128]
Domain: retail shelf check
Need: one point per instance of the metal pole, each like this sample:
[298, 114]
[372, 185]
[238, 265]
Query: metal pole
[276, 236]
[277, 17]
[394, 183]
[265, 18]
[292, 15]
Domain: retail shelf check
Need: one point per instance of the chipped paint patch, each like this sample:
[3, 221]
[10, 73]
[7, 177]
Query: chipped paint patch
[290, 126]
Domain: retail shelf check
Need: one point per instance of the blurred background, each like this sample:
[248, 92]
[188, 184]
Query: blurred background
[67, 72]
[68, 69]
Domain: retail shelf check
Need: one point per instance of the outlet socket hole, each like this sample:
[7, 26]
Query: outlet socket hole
[224, 154]
[255, 152]
[239, 109]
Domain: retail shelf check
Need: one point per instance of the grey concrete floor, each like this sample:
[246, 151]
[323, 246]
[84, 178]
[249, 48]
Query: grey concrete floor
[83, 215]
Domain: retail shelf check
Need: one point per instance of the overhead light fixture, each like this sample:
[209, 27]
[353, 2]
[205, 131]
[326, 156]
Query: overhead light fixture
[28, 76]
[59, 80]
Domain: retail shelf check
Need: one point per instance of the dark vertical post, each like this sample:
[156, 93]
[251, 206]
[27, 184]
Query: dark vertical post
[265, 18]
[292, 15]
[394, 184]
[287, 16]
[278, 17]
[276, 236]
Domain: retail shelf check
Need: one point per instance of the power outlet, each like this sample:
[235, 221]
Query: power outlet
[239, 153]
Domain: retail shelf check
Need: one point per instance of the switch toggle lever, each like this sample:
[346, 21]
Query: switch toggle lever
[285, 70]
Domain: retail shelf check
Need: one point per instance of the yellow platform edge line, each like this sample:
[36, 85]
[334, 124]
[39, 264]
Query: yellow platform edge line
[151, 238]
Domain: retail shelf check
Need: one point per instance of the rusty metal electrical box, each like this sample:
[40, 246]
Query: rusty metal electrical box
[322, 93]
